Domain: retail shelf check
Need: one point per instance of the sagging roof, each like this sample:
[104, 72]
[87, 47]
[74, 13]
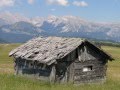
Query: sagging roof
[47, 49]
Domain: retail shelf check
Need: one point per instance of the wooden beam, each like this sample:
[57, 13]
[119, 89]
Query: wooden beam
[53, 74]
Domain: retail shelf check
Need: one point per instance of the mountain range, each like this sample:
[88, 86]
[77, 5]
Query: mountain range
[17, 28]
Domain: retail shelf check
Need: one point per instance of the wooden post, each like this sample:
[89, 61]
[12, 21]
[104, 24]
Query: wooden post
[52, 74]
[78, 51]
[71, 73]
[16, 67]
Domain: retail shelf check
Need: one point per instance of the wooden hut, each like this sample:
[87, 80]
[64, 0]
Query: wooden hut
[60, 59]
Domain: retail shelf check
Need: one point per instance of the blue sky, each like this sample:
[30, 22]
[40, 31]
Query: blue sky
[94, 10]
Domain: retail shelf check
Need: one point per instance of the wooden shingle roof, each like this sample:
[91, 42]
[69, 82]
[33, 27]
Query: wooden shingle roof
[46, 49]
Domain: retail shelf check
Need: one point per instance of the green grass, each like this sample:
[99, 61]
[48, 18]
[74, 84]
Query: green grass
[8, 81]
[6, 63]
[4, 50]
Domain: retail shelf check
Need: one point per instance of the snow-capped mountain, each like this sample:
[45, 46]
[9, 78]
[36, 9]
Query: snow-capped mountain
[19, 31]
[3, 22]
[17, 28]
[13, 17]
[77, 27]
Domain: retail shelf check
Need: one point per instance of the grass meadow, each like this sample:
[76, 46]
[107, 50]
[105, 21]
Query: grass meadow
[8, 81]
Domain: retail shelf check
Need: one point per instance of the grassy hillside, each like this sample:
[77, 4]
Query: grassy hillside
[10, 82]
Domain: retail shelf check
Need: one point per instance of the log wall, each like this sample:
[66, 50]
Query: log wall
[96, 73]
[33, 69]
[89, 67]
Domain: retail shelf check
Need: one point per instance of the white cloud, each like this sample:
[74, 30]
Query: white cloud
[31, 1]
[53, 9]
[58, 2]
[5, 3]
[80, 3]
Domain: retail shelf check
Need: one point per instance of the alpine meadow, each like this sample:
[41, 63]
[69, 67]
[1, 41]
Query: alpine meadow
[9, 81]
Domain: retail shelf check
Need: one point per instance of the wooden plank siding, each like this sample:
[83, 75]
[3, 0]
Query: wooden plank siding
[98, 71]
[89, 58]
[34, 70]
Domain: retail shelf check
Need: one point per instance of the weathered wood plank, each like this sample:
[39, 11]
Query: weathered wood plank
[53, 74]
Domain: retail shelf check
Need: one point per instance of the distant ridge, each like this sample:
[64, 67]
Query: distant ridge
[3, 41]
[23, 28]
